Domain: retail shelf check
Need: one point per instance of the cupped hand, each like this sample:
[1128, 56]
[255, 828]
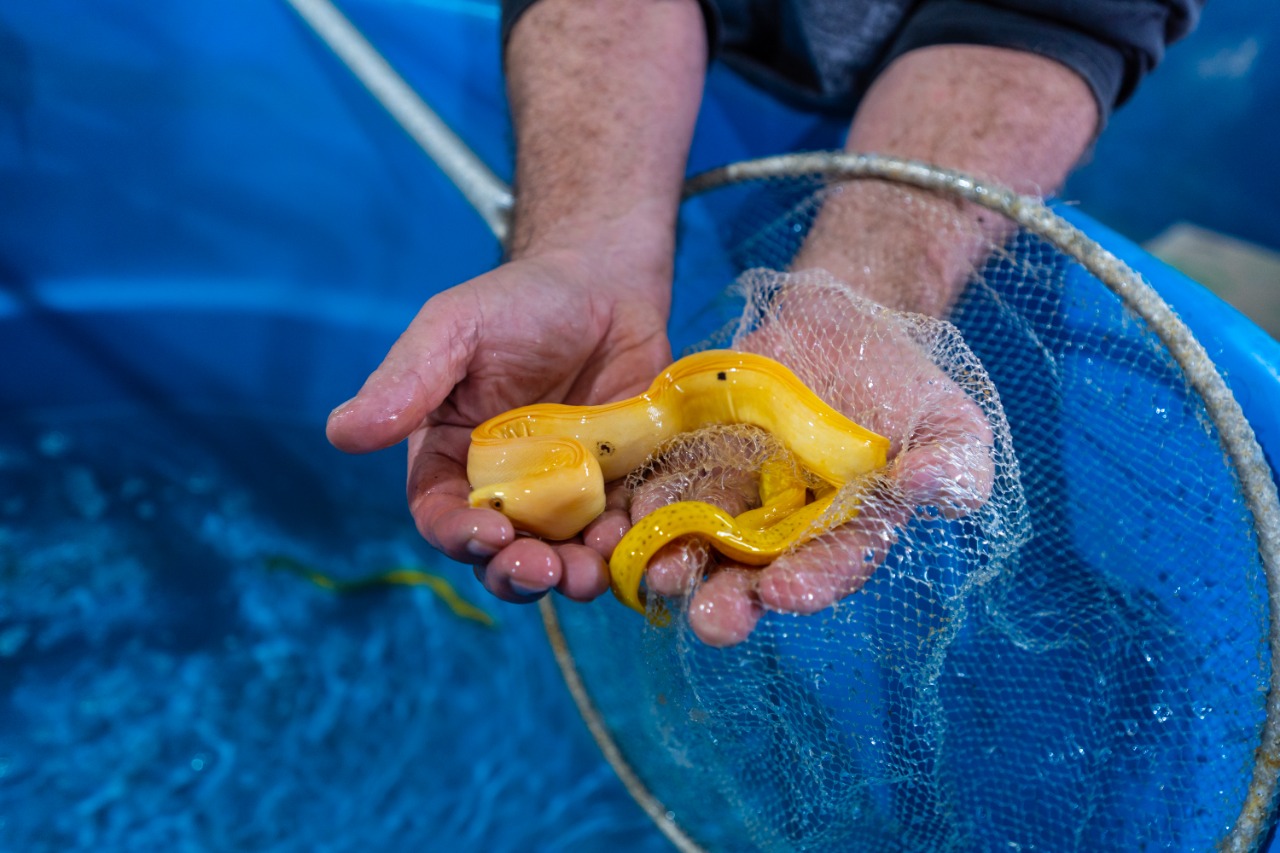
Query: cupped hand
[550, 328]
[882, 369]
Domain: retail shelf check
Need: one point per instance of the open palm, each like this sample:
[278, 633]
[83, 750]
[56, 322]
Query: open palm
[881, 369]
[530, 331]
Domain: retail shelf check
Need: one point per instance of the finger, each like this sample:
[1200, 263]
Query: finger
[437, 493]
[724, 610]
[948, 463]
[604, 532]
[675, 568]
[956, 479]
[584, 575]
[523, 571]
[499, 586]
[419, 371]
[660, 489]
[819, 574]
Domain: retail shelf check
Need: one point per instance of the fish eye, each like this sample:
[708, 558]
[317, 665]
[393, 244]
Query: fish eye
[495, 503]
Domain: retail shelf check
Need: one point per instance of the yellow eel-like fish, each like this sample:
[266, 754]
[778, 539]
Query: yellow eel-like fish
[544, 466]
[402, 576]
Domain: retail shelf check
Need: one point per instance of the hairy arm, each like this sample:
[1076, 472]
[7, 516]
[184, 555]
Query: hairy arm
[604, 97]
[1016, 118]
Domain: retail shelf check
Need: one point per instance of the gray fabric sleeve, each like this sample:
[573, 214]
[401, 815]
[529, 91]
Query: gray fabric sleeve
[511, 10]
[1112, 44]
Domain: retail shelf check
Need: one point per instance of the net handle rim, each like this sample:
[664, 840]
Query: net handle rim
[1235, 434]
[493, 200]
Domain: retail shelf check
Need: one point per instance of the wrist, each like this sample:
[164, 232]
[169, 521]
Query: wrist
[634, 248]
[905, 248]
[1019, 119]
[604, 97]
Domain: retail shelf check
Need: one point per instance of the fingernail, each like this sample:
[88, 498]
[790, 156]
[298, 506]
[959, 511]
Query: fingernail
[480, 549]
[521, 589]
[339, 409]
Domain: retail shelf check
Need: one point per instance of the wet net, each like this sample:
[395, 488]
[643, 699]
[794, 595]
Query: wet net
[1068, 649]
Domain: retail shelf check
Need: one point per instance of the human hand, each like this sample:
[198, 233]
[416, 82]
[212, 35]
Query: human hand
[552, 327]
[882, 370]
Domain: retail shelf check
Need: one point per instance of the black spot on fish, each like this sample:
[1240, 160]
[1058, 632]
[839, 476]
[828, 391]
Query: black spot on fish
[605, 448]
[722, 376]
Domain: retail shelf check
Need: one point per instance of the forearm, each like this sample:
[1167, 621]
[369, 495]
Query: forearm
[604, 96]
[1015, 118]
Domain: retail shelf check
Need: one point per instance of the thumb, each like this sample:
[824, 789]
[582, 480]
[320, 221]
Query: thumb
[419, 372]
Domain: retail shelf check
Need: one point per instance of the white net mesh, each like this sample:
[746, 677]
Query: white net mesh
[1069, 651]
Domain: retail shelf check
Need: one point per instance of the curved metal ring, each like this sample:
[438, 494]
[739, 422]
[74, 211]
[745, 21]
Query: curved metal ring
[1235, 433]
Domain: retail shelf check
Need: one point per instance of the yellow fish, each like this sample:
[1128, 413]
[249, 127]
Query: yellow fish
[395, 577]
[544, 466]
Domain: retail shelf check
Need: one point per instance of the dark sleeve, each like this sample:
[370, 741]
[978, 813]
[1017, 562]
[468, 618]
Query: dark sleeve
[1112, 44]
[513, 9]
[511, 12]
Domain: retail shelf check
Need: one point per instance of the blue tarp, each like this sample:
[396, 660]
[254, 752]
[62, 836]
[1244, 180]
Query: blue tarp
[209, 233]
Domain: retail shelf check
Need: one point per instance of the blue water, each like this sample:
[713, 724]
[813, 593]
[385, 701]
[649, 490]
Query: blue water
[162, 688]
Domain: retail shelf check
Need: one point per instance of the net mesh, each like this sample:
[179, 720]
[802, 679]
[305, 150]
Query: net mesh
[1067, 651]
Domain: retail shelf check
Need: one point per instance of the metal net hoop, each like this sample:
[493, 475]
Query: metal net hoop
[1236, 435]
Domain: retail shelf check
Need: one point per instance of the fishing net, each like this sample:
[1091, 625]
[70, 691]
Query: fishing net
[1066, 648]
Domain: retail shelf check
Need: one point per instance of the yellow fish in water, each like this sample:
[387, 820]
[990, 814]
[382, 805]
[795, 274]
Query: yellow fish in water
[395, 577]
[544, 466]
